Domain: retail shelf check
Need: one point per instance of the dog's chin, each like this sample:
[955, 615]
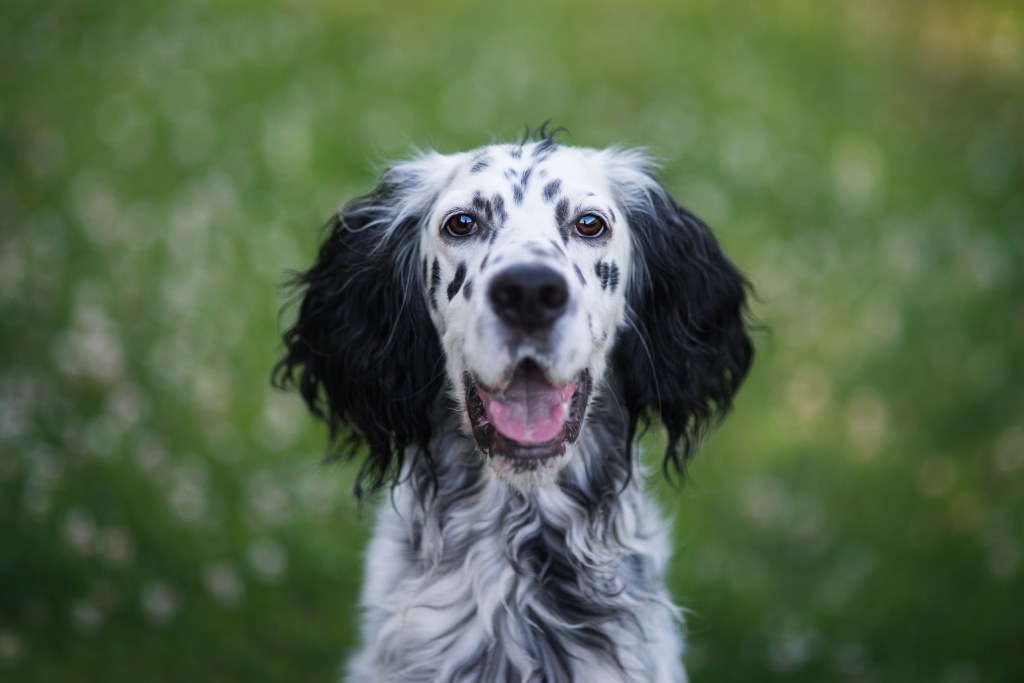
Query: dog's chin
[527, 426]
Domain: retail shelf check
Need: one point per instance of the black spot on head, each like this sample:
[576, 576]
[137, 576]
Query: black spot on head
[480, 163]
[611, 214]
[435, 281]
[517, 152]
[483, 207]
[579, 274]
[551, 190]
[500, 214]
[608, 274]
[519, 191]
[562, 212]
[424, 270]
[603, 272]
[483, 263]
[557, 246]
[544, 147]
[467, 291]
[456, 283]
[511, 173]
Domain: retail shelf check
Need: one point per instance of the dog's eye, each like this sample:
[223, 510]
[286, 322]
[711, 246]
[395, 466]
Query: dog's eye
[460, 225]
[589, 225]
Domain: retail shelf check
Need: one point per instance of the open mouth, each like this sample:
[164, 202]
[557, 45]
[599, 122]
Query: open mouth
[530, 420]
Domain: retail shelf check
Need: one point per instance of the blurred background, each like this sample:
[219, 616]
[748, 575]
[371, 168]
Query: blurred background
[163, 512]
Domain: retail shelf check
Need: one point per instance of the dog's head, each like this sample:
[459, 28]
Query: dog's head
[514, 279]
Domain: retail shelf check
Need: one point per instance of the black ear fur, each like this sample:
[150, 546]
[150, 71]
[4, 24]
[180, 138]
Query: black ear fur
[685, 350]
[363, 352]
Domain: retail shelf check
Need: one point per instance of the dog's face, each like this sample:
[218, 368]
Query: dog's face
[525, 260]
[515, 280]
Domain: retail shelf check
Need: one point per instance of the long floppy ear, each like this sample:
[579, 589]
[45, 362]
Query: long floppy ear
[685, 349]
[362, 351]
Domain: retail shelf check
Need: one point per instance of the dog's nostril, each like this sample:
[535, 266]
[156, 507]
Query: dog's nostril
[529, 296]
[554, 296]
[506, 296]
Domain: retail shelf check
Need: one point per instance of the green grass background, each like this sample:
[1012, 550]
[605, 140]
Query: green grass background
[163, 516]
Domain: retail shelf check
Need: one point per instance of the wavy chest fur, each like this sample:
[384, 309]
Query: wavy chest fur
[474, 581]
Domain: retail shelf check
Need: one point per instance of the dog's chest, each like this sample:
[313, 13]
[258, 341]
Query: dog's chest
[498, 591]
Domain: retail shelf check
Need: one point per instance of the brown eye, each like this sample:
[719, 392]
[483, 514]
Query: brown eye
[589, 225]
[460, 225]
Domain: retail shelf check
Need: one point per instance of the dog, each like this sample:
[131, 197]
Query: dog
[487, 331]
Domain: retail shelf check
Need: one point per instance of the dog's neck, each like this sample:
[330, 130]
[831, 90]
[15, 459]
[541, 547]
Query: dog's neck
[465, 564]
[453, 502]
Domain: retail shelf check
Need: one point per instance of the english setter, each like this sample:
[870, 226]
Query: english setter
[489, 329]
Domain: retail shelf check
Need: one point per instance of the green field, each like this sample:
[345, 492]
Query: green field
[163, 512]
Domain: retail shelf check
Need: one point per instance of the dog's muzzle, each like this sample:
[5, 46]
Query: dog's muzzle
[527, 418]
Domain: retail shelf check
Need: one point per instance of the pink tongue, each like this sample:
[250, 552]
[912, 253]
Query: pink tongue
[530, 410]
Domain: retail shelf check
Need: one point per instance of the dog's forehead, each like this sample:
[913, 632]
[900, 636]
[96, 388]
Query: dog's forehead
[543, 169]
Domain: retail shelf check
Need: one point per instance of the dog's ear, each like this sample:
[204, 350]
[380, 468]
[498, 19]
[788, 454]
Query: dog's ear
[362, 351]
[684, 350]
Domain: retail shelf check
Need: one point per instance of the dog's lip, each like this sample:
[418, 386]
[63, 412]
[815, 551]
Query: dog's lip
[574, 395]
[502, 383]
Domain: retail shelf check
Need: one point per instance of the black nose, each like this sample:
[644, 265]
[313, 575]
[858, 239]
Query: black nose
[528, 297]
